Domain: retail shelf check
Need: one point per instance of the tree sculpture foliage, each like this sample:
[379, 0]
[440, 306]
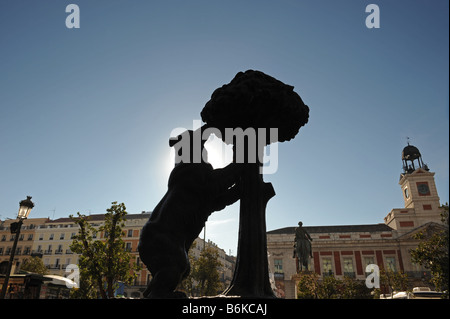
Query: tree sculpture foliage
[256, 100]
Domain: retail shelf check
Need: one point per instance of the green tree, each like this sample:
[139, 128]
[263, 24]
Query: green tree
[104, 262]
[432, 252]
[118, 261]
[34, 265]
[329, 288]
[89, 261]
[393, 280]
[87, 288]
[355, 289]
[308, 286]
[205, 272]
[311, 287]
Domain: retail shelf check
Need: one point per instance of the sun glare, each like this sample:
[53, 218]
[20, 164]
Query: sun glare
[219, 154]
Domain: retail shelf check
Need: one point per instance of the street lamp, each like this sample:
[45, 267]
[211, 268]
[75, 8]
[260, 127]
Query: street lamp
[24, 210]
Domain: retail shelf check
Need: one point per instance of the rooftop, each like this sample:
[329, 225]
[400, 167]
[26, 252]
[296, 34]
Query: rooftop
[97, 217]
[334, 229]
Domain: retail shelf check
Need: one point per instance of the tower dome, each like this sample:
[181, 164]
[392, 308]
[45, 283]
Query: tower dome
[410, 154]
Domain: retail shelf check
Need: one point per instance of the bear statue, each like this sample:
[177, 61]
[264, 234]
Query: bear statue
[195, 190]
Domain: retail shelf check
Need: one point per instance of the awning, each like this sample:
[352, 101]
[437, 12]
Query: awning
[59, 280]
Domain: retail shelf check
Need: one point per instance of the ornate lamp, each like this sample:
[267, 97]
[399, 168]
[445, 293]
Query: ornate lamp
[25, 208]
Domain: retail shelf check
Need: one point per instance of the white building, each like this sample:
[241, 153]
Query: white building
[348, 249]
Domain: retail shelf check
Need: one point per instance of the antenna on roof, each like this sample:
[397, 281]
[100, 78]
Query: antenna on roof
[407, 140]
[53, 210]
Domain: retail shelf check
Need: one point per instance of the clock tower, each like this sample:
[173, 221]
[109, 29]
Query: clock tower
[417, 182]
[419, 193]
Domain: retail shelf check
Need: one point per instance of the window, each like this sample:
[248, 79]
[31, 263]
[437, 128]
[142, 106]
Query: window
[278, 263]
[128, 247]
[30, 237]
[51, 237]
[41, 236]
[61, 237]
[3, 237]
[130, 233]
[368, 261]
[390, 263]
[327, 267]
[348, 267]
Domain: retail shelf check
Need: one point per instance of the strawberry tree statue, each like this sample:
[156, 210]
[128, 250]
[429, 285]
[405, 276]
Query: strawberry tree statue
[265, 105]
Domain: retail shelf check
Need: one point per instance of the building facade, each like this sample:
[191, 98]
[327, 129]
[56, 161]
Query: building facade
[25, 242]
[227, 262]
[54, 237]
[51, 240]
[346, 250]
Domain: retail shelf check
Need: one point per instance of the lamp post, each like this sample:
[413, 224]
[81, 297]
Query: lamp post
[24, 210]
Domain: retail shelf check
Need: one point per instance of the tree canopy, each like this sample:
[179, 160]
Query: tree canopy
[311, 287]
[34, 265]
[432, 252]
[203, 280]
[104, 262]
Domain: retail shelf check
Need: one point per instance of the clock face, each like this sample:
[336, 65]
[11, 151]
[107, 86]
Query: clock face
[423, 189]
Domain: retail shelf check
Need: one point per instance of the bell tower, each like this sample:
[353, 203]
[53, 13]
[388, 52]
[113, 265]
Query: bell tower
[417, 182]
[409, 155]
[419, 194]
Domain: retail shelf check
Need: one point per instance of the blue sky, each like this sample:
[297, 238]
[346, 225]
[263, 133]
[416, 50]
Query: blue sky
[85, 114]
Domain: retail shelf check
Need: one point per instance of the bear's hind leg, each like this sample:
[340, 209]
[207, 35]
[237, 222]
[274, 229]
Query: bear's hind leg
[164, 283]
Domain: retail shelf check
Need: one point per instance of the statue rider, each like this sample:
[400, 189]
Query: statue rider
[303, 249]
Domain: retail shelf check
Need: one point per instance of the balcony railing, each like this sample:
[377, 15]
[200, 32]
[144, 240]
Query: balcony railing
[53, 266]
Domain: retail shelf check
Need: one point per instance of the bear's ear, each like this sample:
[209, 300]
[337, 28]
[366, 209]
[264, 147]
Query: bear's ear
[174, 140]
